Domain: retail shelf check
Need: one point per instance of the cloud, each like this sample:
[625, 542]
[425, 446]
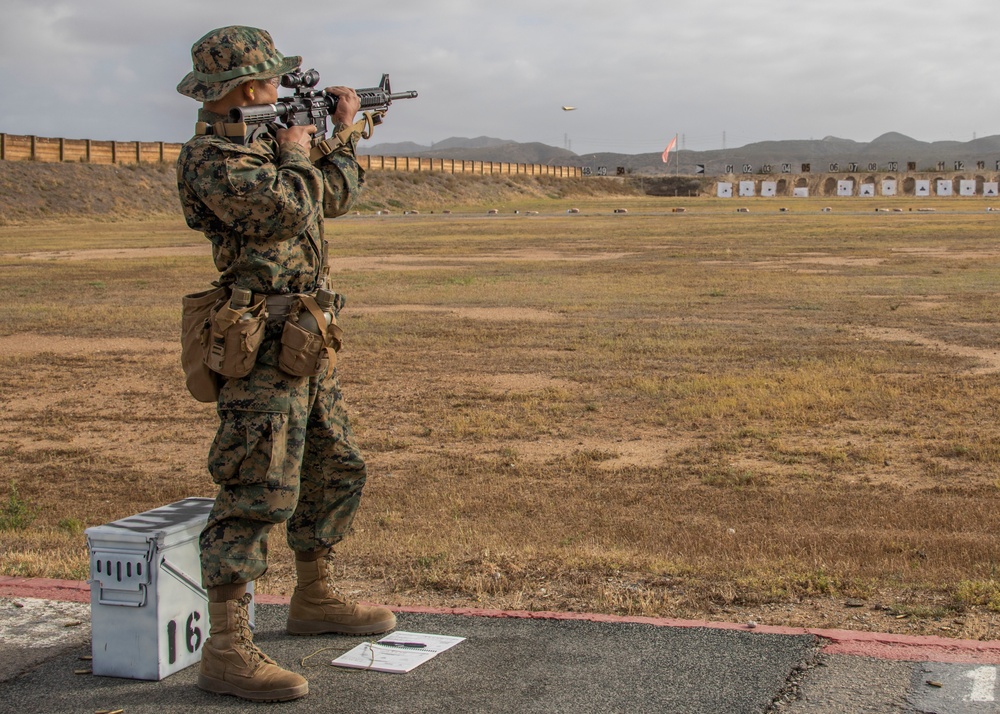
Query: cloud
[638, 71]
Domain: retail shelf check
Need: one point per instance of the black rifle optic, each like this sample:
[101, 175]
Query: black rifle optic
[311, 106]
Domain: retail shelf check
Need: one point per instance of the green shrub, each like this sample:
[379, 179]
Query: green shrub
[17, 513]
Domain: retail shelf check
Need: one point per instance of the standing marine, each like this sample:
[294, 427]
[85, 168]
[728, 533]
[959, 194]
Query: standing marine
[284, 451]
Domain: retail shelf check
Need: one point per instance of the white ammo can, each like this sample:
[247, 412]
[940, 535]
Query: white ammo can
[148, 610]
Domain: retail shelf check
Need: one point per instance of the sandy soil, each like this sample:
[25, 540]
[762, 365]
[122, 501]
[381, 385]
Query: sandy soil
[989, 359]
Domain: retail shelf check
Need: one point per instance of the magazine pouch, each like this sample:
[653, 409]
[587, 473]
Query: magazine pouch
[304, 352]
[233, 338]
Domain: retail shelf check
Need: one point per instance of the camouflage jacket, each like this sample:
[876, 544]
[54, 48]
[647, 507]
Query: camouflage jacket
[262, 206]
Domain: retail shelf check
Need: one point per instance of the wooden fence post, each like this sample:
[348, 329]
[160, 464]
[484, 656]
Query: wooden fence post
[3, 147]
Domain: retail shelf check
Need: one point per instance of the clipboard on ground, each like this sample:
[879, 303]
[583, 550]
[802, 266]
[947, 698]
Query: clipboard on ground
[396, 653]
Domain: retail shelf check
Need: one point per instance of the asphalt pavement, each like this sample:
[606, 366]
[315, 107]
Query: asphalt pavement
[518, 662]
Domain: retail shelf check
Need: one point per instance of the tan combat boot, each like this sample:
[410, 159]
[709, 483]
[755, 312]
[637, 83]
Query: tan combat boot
[317, 609]
[232, 664]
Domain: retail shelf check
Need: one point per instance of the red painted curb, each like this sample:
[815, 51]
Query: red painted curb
[913, 648]
[45, 589]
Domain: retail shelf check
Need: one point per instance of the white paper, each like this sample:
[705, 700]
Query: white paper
[384, 656]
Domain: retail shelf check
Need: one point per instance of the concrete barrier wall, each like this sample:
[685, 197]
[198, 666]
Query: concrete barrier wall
[14, 147]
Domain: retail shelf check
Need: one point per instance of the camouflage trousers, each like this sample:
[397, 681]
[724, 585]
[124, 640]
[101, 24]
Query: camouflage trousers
[284, 451]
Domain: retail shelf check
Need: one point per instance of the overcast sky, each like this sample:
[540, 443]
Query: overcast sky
[638, 71]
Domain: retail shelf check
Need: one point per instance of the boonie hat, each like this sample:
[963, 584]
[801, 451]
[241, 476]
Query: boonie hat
[226, 58]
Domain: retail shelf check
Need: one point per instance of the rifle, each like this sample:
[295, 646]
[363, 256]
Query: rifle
[311, 106]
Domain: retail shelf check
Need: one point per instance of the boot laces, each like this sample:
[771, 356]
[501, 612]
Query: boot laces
[332, 592]
[246, 634]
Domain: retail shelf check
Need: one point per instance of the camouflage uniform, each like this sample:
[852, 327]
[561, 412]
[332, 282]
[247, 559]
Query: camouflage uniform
[284, 449]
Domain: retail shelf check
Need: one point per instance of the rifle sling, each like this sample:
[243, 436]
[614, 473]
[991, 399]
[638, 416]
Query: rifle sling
[363, 127]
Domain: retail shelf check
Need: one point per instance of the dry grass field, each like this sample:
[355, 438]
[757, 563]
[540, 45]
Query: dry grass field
[789, 417]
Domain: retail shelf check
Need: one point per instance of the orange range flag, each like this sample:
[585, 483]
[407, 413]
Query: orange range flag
[671, 145]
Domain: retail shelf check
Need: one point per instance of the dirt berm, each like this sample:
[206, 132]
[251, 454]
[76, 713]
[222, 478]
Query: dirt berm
[32, 191]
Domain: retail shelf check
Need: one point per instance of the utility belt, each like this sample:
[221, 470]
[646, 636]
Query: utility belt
[278, 306]
[221, 342]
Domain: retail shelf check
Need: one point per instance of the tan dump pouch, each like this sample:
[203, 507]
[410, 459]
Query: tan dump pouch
[304, 353]
[196, 314]
[234, 338]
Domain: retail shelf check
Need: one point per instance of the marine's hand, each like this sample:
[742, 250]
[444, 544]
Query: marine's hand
[301, 135]
[348, 104]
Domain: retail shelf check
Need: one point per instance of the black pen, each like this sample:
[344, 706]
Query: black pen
[416, 645]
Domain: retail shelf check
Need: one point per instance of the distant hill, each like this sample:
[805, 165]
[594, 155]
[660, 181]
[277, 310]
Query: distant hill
[819, 153]
[481, 148]
[409, 148]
